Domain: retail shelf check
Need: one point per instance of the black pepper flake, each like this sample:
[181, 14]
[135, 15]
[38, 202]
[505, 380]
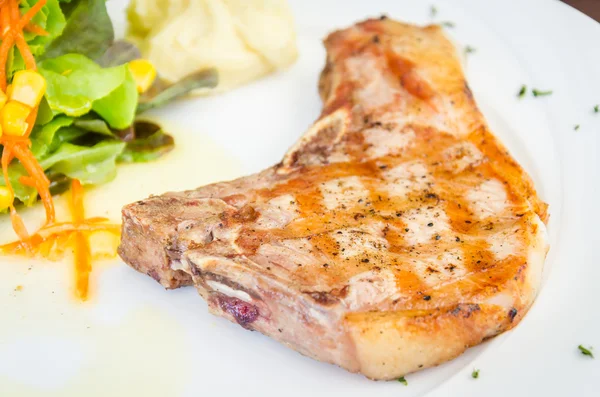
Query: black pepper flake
[512, 313]
[383, 167]
[469, 222]
[279, 329]
[325, 264]
[375, 39]
[430, 224]
[427, 297]
[406, 230]
[365, 260]
[457, 239]
[437, 237]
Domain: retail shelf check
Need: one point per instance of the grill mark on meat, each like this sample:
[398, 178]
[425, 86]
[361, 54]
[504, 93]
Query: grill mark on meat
[404, 69]
[323, 298]
[246, 214]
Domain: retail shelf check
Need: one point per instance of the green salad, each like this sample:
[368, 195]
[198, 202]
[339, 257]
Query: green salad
[85, 123]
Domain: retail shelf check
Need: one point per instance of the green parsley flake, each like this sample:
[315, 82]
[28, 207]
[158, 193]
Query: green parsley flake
[596, 108]
[433, 11]
[403, 381]
[469, 50]
[522, 91]
[576, 128]
[537, 93]
[475, 374]
[586, 351]
[447, 24]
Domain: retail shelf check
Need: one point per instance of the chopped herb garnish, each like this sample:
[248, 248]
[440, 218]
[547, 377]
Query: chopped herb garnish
[475, 374]
[403, 381]
[433, 11]
[522, 91]
[596, 108]
[586, 351]
[447, 24]
[469, 50]
[537, 93]
[576, 127]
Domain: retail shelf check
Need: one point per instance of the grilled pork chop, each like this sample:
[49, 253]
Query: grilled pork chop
[395, 234]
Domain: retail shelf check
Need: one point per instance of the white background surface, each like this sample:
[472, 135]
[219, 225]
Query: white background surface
[164, 343]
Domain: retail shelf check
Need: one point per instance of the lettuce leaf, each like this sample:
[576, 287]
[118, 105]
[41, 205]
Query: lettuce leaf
[88, 30]
[126, 96]
[76, 85]
[90, 164]
[50, 18]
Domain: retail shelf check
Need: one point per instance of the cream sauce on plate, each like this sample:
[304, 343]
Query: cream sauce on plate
[53, 345]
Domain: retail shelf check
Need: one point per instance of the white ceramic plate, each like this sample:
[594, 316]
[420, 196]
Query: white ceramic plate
[134, 338]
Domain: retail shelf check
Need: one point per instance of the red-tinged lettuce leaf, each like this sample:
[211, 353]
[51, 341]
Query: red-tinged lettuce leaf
[118, 53]
[88, 30]
[161, 93]
[149, 143]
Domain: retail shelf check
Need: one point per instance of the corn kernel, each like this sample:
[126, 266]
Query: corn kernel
[6, 198]
[143, 73]
[28, 87]
[13, 117]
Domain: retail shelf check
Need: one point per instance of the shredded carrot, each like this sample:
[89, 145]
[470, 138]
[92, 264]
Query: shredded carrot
[31, 121]
[13, 6]
[24, 50]
[83, 265]
[28, 16]
[54, 231]
[4, 19]
[7, 43]
[34, 170]
[15, 219]
[27, 181]
[33, 28]
[52, 239]
[12, 140]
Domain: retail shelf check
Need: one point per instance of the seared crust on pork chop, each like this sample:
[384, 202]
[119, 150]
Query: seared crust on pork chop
[395, 234]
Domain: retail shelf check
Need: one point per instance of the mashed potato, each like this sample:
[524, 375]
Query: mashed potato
[243, 39]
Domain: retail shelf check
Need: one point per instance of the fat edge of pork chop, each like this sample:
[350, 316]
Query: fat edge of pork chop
[394, 235]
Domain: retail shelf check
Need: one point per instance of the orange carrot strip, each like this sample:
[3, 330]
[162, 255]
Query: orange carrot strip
[27, 181]
[25, 51]
[17, 222]
[33, 28]
[4, 19]
[13, 6]
[83, 265]
[9, 139]
[37, 173]
[28, 16]
[5, 47]
[31, 120]
[30, 163]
